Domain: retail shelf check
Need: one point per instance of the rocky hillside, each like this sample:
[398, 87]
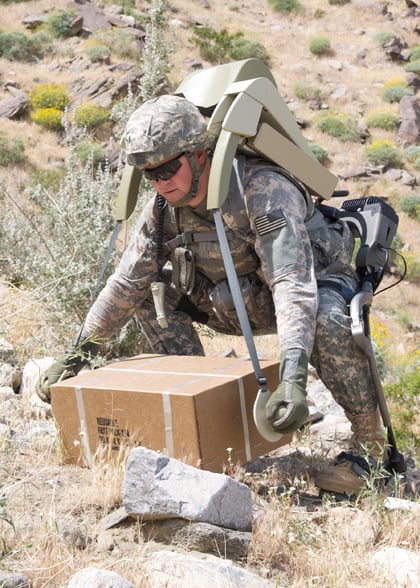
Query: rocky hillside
[371, 45]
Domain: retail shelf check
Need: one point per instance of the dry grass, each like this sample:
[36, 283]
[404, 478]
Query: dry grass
[58, 512]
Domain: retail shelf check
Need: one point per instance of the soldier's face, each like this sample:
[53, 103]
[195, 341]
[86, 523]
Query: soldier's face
[179, 184]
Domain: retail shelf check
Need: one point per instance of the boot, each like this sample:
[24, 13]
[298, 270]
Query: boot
[351, 469]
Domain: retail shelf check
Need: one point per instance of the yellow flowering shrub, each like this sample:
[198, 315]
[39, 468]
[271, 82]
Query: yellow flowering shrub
[49, 96]
[90, 115]
[49, 118]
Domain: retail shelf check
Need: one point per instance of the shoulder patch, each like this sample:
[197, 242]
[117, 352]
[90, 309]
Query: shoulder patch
[272, 221]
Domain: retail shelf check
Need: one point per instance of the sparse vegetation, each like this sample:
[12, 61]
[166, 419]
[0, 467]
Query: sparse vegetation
[306, 91]
[320, 45]
[286, 6]
[222, 46]
[383, 38]
[98, 53]
[59, 23]
[383, 152]
[320, 153]
[12, 150]
[410, 204]
[395, 89]
[25, 48]
[404, 395]
[381, 119]
[412, 155]
[340, 126]
[121, 42]
[90, 115]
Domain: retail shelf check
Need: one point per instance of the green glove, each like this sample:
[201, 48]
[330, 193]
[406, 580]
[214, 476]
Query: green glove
[65, 367]
[287, 408]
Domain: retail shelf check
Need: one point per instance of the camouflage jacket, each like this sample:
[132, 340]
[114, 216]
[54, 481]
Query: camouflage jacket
[265, 216]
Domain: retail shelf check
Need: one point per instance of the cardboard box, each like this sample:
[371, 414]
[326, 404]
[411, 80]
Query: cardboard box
[190, 408]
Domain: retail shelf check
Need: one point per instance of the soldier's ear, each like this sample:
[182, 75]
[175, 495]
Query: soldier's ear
[200, 156]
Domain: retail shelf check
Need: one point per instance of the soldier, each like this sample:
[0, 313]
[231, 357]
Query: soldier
[294, 268]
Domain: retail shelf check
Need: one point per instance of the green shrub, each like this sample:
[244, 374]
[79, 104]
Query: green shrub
[340, 2]
[320, 45]
[47, 179]
[395, 93]
[25, 48]
[286, 6]
[412, 259]
[90, 115]
[60, 257]
[59, 23]
[304, 91]
[320, 153]
[380, 119]
[49, 96]
[98, 53]
[121, 42]
[220, 47]
[90, 150]
[412, 154]
[340, 126]
[49, 118]
[413, 66]
[245, 48]
[383, 38]
[415, 53]
[404, 406]
[12, 151]
[410, 204]
[383, 152]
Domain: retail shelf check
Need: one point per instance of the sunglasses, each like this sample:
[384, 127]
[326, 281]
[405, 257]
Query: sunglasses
[164, 171]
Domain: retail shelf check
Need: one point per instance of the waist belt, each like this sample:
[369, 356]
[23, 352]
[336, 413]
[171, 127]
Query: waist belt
[346, 293]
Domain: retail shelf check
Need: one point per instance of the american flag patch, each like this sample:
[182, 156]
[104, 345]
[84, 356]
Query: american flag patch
[272, 221]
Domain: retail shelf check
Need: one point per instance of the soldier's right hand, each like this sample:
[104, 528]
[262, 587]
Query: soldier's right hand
[65, 367]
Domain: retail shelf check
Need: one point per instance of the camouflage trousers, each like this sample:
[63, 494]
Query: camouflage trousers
[340, 363]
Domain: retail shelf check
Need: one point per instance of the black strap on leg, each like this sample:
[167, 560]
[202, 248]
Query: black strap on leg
[361, 467]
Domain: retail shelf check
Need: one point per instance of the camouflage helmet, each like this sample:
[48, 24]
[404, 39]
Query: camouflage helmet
[163, 127]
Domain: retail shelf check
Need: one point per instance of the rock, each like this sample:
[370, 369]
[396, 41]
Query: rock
[33, 373]
[201, 537]
[7, 351]
[409, 131]
[10, 377]
[75, 26]
[33, 21]
[16, 106]
[356, 526]
[158, 487]
[394, 47]
[400, 565]
[94, 18]
[98, 578]
[392, 503]
[14, 580]
[176, 570]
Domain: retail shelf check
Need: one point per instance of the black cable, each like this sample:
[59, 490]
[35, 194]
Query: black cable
[404, 273]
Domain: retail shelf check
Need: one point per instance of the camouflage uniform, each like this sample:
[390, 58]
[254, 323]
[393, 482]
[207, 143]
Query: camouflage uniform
[295, 277]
